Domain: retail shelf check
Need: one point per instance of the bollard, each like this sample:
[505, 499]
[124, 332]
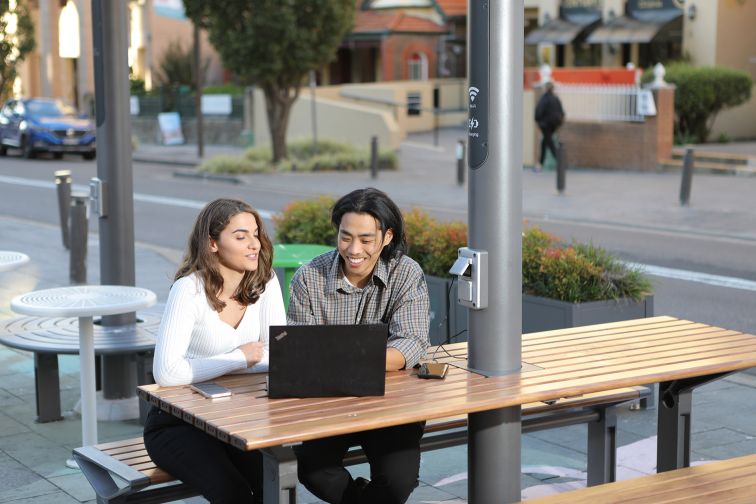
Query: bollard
[78, 239]
[561, 168]
[460, 162]
[63, 187]
[687, 177]
[374, 157]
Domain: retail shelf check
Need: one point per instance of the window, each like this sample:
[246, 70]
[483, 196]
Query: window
[414, 103]
[417, 67]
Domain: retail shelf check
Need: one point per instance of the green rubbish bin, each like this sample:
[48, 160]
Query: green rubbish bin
[290, 256]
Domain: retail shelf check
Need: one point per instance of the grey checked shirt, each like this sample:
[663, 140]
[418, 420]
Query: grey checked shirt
[396, 295]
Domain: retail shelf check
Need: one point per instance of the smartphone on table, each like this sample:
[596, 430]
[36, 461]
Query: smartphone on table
[435, 370]
[211, 390]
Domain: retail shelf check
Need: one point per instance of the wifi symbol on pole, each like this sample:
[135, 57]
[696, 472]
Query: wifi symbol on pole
[473, 93]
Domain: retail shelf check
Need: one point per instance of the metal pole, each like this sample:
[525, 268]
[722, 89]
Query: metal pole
[116, 224]
[313, 108]
[63, 188]
[374, 157]
[198, 94]
[495, 52]
[87, 373]
[687, 177]
[561, 171]
[77, 270]
[460, 162]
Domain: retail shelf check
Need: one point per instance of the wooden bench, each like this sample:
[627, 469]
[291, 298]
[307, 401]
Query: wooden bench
[50, 337]
[142, 481]
[732, 481]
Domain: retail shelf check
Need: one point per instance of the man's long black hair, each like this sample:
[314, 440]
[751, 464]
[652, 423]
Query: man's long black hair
[377, 204]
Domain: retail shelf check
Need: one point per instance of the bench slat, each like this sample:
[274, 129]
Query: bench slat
[732, 480]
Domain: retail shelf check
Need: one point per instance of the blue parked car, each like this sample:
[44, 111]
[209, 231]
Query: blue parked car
[45, 125]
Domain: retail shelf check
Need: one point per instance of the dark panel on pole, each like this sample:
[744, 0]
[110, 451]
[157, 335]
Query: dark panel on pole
[478, 92]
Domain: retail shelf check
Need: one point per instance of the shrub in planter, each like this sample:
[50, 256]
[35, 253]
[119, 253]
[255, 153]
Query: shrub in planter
[434, 244]
[576, 272]
[306, 221]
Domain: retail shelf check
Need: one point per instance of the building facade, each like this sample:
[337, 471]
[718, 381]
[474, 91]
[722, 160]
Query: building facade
[53, 69]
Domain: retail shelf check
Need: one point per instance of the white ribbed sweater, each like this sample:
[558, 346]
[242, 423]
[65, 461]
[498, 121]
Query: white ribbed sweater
[194, 344]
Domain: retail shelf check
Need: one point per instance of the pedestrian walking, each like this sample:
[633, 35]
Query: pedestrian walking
[549, 116]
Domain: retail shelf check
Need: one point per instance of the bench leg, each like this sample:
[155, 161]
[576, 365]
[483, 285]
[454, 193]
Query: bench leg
[602, 448]
[47, 387]
[279, 475]
[144, 377]
[673, 442]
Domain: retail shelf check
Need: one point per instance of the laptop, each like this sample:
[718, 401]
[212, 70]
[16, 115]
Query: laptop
[327, 360]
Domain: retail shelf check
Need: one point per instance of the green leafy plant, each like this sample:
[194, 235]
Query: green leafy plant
[434, 244]
[701, 93]
[16, 42]
[306, 221]
[329, 155]
[175, 67]
[576, 272]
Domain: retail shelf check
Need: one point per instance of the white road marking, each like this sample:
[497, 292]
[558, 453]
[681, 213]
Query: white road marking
[143, 198]
[697, 277]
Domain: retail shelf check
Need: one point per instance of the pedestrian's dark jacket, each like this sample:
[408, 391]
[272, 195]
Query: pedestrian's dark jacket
[549, 113]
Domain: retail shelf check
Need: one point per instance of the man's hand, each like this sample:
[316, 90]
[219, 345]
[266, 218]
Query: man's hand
[394, 359]
[253, 352]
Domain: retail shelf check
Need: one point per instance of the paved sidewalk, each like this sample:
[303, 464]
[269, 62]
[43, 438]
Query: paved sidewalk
[32, 455]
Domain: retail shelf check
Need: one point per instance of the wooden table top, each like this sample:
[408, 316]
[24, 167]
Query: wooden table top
[563, 363]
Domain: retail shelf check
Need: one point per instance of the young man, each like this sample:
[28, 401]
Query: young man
[367, 279]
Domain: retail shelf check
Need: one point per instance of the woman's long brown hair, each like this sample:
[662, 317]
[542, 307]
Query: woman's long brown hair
[200, 260]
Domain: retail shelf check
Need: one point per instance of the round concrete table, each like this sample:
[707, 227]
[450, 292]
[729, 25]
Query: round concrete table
[85, 301]
[11, 260]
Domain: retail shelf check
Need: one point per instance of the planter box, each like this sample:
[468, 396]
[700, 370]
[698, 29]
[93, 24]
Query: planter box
[538, 314]
[543, 314]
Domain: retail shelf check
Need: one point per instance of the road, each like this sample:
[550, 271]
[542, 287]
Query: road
[713, 257]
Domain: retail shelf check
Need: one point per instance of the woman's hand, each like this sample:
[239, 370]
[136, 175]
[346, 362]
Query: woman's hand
[253, 352]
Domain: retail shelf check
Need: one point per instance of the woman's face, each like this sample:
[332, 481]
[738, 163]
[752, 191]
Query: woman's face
[238, 245]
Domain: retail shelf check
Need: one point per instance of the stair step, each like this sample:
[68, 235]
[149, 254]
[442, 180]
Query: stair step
[717, 157]
[710, 165]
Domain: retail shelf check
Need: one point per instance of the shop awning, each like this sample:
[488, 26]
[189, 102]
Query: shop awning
[562, 31]
[630, 30]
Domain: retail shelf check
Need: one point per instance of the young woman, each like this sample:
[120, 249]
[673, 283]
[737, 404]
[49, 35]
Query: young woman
[224, 298]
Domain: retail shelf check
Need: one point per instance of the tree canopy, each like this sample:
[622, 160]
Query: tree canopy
[16, 41]
[274, 44]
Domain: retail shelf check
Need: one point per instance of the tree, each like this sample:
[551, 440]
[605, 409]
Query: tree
[16, 41]
[273, 44]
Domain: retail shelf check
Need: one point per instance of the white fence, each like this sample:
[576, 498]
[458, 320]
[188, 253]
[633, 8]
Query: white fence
[583, 102]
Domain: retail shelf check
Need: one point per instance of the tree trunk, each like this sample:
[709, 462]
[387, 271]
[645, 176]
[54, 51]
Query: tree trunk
[278, 102]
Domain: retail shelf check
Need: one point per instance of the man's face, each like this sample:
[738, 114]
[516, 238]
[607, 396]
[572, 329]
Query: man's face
[360, 244]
